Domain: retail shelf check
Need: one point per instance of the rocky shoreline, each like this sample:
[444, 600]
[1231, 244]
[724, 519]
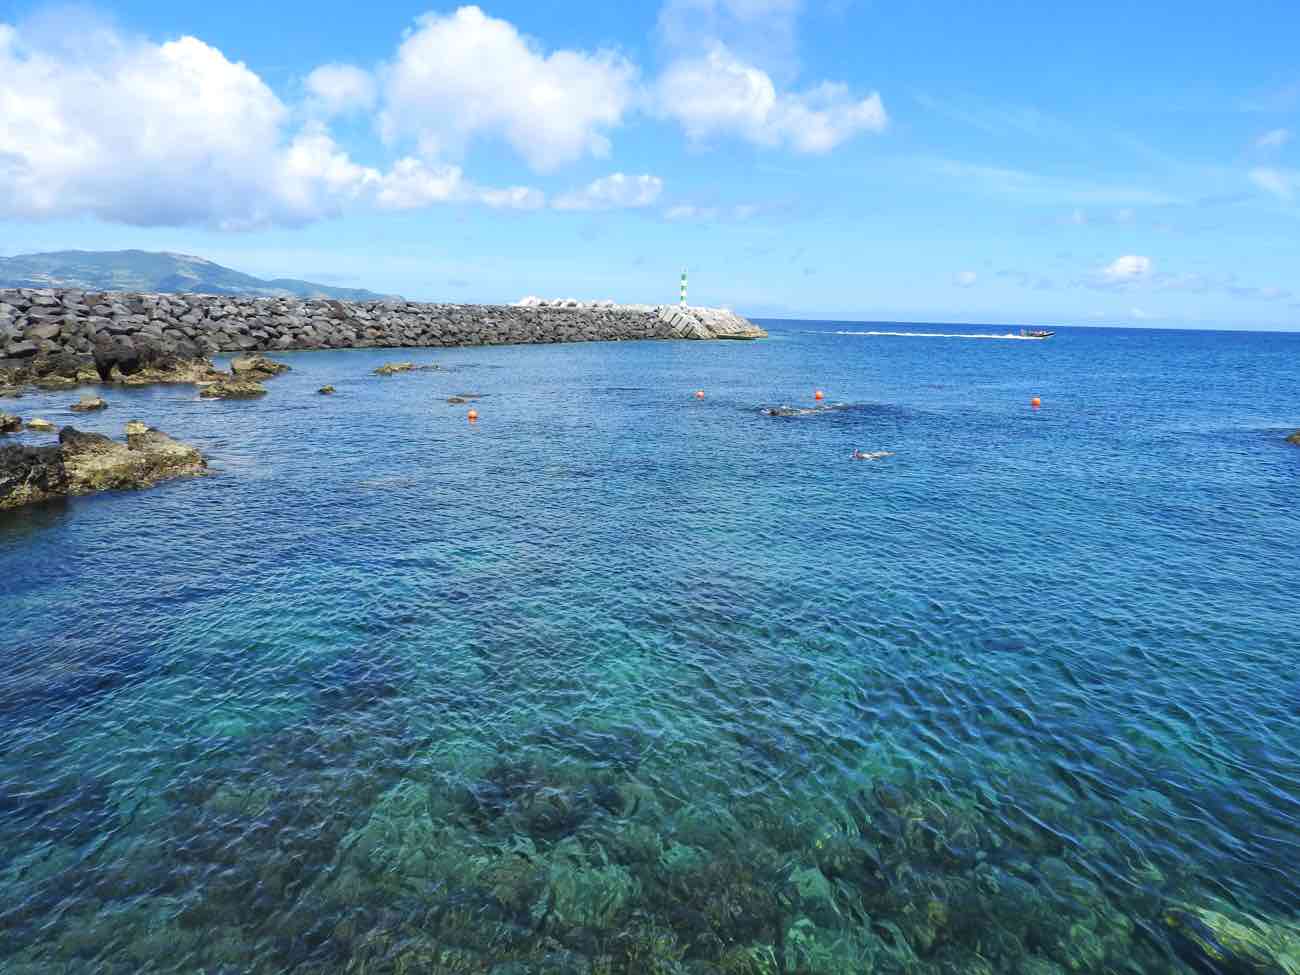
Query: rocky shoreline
[119, 327]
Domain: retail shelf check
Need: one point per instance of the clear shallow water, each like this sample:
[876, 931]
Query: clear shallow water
[615, 680]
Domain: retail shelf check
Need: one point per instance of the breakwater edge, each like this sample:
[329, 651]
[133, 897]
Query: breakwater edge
[116, 325]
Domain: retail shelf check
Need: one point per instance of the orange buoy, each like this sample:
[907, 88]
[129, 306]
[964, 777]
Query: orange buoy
[699, 394]
[1035, 402]
[819, 395]
[473, 415]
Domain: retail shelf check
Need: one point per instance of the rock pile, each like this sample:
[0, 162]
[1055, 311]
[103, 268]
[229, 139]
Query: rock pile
[119, 330]
[83, 463]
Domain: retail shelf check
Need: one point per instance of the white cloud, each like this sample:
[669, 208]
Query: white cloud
[1130, 267]
[1274, 139]
[175, 133]
[717, 93]
[1139, 314]
[466, 75]
[1282, 183]
[965, 279]
[614, 192]
[336, 89]
[412, 184]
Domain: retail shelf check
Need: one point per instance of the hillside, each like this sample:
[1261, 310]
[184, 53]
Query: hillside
[150, 271]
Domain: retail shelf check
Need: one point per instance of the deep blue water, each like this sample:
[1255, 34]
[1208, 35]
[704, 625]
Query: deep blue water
[620, 680]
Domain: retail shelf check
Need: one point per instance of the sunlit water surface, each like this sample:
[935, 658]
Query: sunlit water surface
[620, 680]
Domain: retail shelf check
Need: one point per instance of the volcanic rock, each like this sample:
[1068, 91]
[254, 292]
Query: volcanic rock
[256, 367]
[83, 463]
[233, 389]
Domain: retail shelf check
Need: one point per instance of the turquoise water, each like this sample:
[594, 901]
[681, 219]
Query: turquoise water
[618, 680]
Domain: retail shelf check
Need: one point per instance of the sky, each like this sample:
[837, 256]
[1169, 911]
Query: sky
[1107, 163]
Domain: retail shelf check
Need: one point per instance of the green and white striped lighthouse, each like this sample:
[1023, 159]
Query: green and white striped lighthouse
[683, 287]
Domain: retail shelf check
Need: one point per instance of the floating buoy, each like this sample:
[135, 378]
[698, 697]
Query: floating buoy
[699, 394]
[473, 415]
[1035, 402]
[819, 395]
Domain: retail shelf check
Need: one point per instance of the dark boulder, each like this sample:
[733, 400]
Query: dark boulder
[22, 350]
[29, 474]
[10, 423]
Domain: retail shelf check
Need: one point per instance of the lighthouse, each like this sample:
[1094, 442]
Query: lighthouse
[683, 298]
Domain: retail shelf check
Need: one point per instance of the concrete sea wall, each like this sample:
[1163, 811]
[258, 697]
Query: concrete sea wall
[48, 322]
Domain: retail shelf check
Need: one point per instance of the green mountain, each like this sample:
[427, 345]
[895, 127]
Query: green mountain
[158, 272]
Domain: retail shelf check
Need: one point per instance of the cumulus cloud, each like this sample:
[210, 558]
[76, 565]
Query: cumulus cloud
[1130, 267]
[176, 133]
[965, 279]
[616, 191]
[1273, 139]
[719, 94]
[336, 89]
[466, 75]
[1282, 183]
[413, 183]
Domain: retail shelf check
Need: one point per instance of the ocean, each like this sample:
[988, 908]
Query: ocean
[619, 679]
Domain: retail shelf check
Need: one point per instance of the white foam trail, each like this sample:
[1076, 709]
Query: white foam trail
[948, 335]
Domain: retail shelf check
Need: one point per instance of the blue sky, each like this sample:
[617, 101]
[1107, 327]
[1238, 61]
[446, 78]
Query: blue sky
[1107, 163]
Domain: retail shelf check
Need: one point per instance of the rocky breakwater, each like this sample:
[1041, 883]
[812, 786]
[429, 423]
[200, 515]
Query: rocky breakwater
[118, 330]
[84, 463]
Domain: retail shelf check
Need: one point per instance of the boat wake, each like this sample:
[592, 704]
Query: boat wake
[948, 335]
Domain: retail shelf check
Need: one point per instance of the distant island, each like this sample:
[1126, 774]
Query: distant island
[157, 273]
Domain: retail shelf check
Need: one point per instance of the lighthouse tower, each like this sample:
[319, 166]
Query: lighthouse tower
[683, 298]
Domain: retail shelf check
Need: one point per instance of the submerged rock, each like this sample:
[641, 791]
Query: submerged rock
[39, 425]
[88, 404]
[325, 390]
[1215, 942]
[10, 423]
[83, 463]
[233, 389]
[785, 410]
[392, 368]
[256, 367]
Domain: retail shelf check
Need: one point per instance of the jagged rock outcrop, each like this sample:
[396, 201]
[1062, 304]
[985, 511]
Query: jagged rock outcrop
[393, 368]
[118, 332]
[10, 423]
[256, 368]
[83, 463]
[232, 388]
